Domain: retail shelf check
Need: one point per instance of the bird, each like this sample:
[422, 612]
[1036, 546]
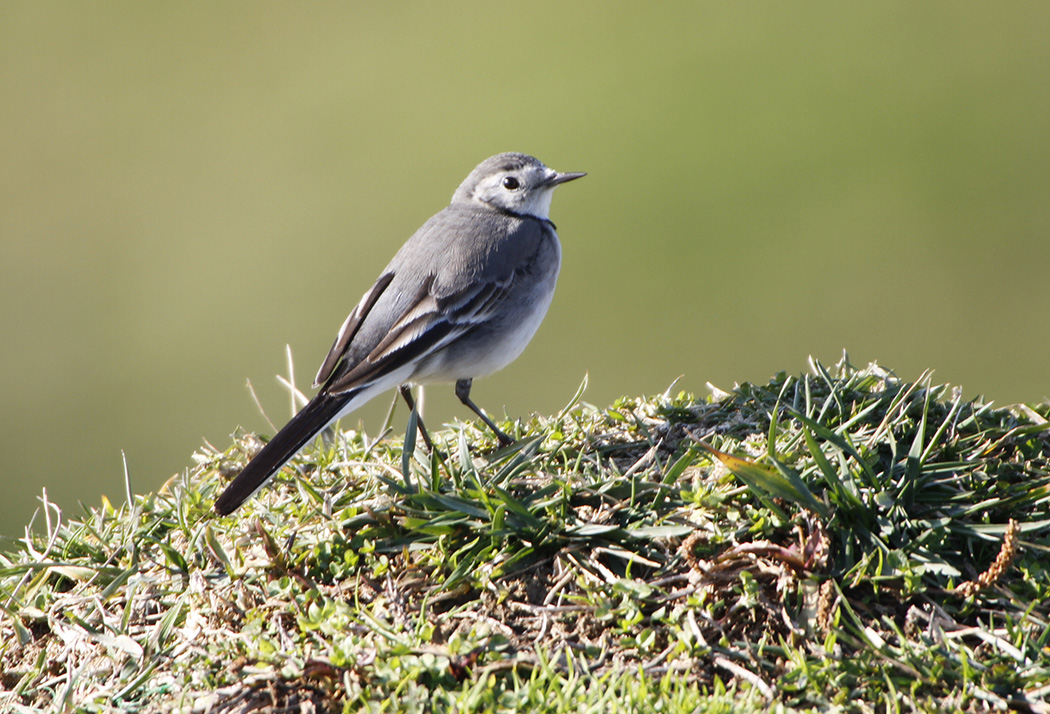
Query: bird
[460, 300]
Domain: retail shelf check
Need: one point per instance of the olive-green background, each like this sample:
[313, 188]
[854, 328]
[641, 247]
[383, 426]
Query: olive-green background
[187, 187]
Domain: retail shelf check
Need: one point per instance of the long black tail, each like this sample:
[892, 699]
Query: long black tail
[296, 434]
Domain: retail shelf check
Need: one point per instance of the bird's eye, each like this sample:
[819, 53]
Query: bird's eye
[511, 184]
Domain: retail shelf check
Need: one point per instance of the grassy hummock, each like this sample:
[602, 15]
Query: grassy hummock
[841, 540]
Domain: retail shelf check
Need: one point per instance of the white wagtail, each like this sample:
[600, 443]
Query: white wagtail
[460, 300]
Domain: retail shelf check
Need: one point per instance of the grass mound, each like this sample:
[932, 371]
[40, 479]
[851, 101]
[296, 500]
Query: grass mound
[841, 539]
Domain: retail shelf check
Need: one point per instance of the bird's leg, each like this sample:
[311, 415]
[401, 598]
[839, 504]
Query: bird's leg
[406, 394]
[463, 392]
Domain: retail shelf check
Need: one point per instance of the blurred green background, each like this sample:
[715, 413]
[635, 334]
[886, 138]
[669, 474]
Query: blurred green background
[187, 187]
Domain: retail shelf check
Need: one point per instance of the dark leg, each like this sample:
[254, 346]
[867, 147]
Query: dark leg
[406, 394]
[463, 392]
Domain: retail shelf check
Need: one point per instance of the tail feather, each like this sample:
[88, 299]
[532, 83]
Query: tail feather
[296, 434]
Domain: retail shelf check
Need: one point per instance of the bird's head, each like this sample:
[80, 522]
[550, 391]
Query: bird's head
[512, 182]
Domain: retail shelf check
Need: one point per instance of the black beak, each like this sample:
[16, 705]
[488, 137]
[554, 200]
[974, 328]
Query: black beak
[558, 178]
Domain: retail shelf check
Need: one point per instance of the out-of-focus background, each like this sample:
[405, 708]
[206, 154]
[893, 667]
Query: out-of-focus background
[186, 188]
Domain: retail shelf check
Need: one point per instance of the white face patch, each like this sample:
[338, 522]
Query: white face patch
[523, 190]
[539, 202]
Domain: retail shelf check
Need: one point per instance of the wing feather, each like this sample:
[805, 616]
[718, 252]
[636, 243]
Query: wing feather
[350, 328]
[425, 327]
